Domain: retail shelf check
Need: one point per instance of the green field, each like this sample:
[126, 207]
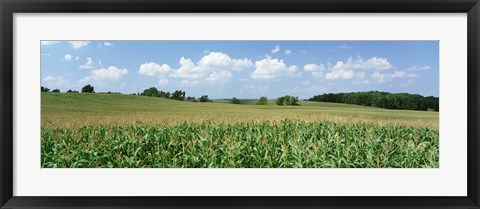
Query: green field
[114, 130]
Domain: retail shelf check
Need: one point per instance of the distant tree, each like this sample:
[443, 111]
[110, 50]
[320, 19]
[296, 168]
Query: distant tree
[191, 99]
[280, 100]
[204, 98]
[262, 101]
[287, 100]
[291, 100]
[235, 100]
[69, 91]
[45, 89]
[88, 89]
[178, 95]
[151, 92]
[56, 91]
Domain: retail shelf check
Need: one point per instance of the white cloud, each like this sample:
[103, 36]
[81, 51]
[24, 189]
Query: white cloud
[49, 78]
[269, 68]
[216, 65]
[52, 80]
[302, 51]
[382, 77]
[373, 63]
[219, 77]
[163, 81]
[292, 71]
[345, 70]
[68, 57]
[313, 67]
[215, 61]
[241, 64]
[153, 68]
[88, 64]
[206, 51]
[420, 68]
[187, 70]
[341, 73]
[77, 58]
[403, 74]
[379, 77]
[47, 43]
[106, 43]
[276, 49]
[78, 44]
[288, 52]
[110, 73]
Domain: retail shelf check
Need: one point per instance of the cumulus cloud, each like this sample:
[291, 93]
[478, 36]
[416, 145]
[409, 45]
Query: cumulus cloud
[347, 70]
[276, 49]
[373, 63]
[270, 68]
[219, 61]
[403, 74]
[382, 77]
[106, 43]
[418, 68]
[188, 70]
[68, 57]
[313, 67]
[110, 73]
[219, 77]
[215, 67]
[88, 64]
[153, 68]
[288, 52]
[340, 73]
[52, 80]
[78, 44]
[379, 77]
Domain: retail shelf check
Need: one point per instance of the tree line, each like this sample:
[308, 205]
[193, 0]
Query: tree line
[176, 95]
[400, 101]
[86, 89]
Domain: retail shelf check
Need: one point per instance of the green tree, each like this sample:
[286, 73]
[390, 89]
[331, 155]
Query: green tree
[235, 100]
[280, 100]
[45, 89]
[262, 101]
[178, 95]
[88, 89]
[151, 92]
[56, 91]
[204, 98]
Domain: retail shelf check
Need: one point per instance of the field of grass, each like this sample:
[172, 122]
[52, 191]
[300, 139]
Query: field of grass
[113, 130]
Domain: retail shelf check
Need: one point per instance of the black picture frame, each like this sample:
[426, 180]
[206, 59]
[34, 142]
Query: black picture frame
[9, 7]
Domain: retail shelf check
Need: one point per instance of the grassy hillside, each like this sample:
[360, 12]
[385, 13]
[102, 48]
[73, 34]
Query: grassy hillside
[77, 110]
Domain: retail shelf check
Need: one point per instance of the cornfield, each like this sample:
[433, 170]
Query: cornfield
[274, 144]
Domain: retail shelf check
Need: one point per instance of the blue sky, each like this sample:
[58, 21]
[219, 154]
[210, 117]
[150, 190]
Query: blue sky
[242, 69]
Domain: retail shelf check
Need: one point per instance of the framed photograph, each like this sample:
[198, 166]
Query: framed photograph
[239, 104]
